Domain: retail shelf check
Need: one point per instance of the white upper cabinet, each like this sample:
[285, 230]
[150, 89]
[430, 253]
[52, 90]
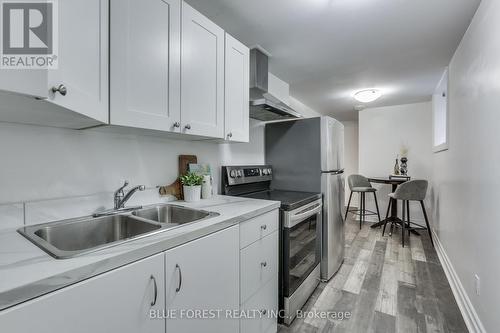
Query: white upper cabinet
[116, 301]
[29, 82]
[80, 83]
[236, 90]
[75, 93]
[204, 275]
[202, 75]
[145, 64]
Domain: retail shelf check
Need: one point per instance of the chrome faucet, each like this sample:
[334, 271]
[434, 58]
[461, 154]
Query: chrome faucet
[121, 198]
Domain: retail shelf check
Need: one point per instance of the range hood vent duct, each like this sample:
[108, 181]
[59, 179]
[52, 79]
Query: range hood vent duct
[263, 105]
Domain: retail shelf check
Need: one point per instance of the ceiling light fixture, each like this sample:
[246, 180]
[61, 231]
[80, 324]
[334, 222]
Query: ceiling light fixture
[367, 95]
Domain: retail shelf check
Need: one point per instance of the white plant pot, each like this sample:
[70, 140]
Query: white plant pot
[192, 193]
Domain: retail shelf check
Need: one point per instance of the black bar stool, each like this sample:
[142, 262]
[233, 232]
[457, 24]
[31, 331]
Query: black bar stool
[360, 184]
[413, 190]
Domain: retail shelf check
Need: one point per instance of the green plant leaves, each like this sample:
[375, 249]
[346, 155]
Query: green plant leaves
[191, 179]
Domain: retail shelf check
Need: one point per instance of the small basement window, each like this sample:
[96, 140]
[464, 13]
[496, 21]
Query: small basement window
[440, 115]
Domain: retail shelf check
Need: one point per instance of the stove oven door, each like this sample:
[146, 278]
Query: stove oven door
[301, 245]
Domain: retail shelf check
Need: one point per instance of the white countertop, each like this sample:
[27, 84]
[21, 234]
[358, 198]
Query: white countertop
[26, 271]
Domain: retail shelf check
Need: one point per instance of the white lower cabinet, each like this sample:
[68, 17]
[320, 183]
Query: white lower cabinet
[259, 273]
[194, 287]
[203, 275]
[259, 264]
[263, 309]
[116, 301]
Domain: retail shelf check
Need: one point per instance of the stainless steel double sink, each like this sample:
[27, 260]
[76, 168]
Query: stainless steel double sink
[70, 238]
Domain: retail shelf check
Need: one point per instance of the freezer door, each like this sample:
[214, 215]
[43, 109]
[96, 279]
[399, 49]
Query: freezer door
[333, 239]
[332, 144]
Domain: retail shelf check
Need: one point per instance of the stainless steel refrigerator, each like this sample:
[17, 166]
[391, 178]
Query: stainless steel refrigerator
[308, 155]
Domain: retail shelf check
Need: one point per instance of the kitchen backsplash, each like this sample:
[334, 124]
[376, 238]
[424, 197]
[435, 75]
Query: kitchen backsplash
[50, 173]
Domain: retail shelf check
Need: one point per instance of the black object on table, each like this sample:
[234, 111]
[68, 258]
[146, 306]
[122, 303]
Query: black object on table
[395, 182]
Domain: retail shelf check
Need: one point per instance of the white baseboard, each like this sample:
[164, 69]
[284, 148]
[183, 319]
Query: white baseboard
[466, 308]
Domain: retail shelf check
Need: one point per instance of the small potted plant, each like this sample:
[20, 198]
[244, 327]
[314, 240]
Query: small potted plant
[191, 186]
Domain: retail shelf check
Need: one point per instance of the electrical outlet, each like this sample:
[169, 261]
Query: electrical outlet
[477, 283]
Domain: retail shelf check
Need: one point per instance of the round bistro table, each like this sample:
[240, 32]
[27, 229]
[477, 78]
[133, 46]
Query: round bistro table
[394, 182]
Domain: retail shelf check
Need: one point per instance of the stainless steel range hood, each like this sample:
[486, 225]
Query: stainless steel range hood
[263, 105]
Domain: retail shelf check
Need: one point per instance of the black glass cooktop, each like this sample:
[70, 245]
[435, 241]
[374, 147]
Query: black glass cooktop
[290, 200]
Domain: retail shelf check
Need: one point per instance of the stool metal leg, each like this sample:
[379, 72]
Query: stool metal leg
[376, 205]
[403, 223]
[427, 222]
[348, 205]
[408, 212]
[362, 212]
[387, 216]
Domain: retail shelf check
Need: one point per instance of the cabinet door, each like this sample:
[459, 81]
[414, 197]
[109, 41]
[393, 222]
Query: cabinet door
[202, 71]
[116, 301]
[203, 275]
[29, 82]
[83, 58]
[236, 104]
[145, 64]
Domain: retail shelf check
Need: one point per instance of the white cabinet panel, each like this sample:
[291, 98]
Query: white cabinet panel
[259, 264]
[236, 106]
[117, 301]
[83, 58]
[258, 227]
[263, 308]
[202, 72]
[145, 64]
[204, 275]
[25, 82]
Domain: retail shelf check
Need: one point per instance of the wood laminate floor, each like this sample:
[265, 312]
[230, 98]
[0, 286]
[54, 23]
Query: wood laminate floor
[384, 287]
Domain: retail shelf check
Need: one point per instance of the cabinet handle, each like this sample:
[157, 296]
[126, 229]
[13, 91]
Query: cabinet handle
[263, 264]
[188, 127]
[61, 89]
[153, 303]
[177, 124]
[178, 268]
[263, 227]
[263, 312]
[230, 135]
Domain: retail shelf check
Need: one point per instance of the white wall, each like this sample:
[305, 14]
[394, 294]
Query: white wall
[245, 153]
[382, 133]
[351, 151]
[467, 176]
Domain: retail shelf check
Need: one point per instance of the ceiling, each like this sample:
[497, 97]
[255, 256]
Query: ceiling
[328, 49]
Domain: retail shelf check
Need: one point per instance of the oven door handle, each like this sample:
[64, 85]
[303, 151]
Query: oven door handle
[310, 211]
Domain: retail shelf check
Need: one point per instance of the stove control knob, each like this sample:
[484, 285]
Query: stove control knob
[269, 171]
[233, 174]
[240, 173]
[264, 172]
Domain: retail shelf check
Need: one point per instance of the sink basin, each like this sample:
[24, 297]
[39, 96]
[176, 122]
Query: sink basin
[69, 238]
[172, 215]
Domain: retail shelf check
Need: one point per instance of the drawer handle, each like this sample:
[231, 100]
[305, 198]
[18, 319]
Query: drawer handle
[263, 312]
[263, 227]
[153, 303]
[178, 268]
[263, 264]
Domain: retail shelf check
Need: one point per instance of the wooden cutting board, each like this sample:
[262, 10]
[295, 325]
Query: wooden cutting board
[175, 188]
